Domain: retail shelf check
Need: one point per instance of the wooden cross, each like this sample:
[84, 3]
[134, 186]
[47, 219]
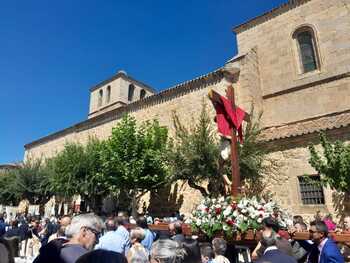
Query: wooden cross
[236, 180]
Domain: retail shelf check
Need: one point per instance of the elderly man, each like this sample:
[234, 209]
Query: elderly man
[149, 235]
[83, 234]
[175, 230]
[123, 232]
[80, 237]
[61, 232]
[270, 224]
[111, 240]
[167, 251]
[272, 254]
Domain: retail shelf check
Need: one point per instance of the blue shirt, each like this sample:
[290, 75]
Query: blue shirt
[148, 240]
[111, 241]
[124, 234]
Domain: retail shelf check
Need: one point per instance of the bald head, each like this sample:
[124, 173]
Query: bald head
[64, 222]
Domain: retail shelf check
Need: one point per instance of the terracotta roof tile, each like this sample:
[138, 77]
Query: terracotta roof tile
[306, 127]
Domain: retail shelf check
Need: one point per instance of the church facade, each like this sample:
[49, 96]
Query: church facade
[293, 64]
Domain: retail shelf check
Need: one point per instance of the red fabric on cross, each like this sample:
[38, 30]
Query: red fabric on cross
[227, 118]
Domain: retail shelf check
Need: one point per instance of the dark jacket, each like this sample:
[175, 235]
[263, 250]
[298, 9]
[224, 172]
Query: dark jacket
[276, 256]
[180, 238]
[50, 253]
[282, 244]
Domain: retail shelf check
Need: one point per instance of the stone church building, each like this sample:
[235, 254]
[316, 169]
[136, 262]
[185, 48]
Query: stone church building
[293, 64]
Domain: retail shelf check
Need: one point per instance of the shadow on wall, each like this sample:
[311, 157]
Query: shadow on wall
[165, 201]
[341, 203]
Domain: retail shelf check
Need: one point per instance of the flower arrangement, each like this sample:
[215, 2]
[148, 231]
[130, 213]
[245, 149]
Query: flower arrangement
[228, 216]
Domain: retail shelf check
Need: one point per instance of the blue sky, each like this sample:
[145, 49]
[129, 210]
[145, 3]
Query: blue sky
[52, 52]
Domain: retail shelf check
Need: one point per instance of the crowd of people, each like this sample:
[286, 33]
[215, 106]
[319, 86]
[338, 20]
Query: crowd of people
[88, 238]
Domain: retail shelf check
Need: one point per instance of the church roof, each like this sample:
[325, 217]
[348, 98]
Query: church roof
[308, 126]
[160, 97]
[122, 74]
[285, 7]
[9, 166]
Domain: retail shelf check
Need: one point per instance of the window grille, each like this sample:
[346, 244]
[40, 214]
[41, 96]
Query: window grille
[311, 191]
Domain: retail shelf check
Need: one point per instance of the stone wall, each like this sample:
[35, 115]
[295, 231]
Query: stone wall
[119, 89]
[279, 61]
[270, 79]
[291, 159]
[324, 98]
[187, 106]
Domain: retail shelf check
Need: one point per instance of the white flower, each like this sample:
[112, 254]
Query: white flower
[259, 220]
[225, 227]
[199, 222]
[227, 211]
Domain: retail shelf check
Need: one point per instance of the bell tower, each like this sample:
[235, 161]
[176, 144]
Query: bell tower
[115, 92]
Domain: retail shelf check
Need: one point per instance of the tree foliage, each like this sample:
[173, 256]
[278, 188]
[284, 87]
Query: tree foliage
[77, 170]
[195, 153]
[195, 157]
[27, 181]
[332, 163]
[252, 157]
[134, 158]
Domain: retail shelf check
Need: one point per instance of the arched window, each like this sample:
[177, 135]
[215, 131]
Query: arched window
[100, 97]
[307, 49]
[131, 92]
[142, 94]
[108, 97]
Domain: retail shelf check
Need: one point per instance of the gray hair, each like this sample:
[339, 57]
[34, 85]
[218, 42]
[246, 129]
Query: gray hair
[137, 233]
[85, 220]
[219, 246]
[167, 251]
[138, 256]
[269, 239]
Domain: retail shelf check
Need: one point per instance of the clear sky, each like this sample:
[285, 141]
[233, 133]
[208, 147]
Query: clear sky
[52, 52]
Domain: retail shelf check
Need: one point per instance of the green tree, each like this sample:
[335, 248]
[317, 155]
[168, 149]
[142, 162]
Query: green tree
[8, 191]
[27, 181]
[134, 158]
[195, 156]
[195, 153]
[332, 163]
[253, 161]
[77, 170]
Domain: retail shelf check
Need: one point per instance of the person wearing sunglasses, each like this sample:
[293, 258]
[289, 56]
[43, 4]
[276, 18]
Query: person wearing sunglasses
[83, 233]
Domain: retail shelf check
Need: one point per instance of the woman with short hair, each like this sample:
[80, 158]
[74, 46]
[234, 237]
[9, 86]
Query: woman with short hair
[137, 252]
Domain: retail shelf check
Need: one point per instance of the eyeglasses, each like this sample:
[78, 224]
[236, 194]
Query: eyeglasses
[95, 232]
